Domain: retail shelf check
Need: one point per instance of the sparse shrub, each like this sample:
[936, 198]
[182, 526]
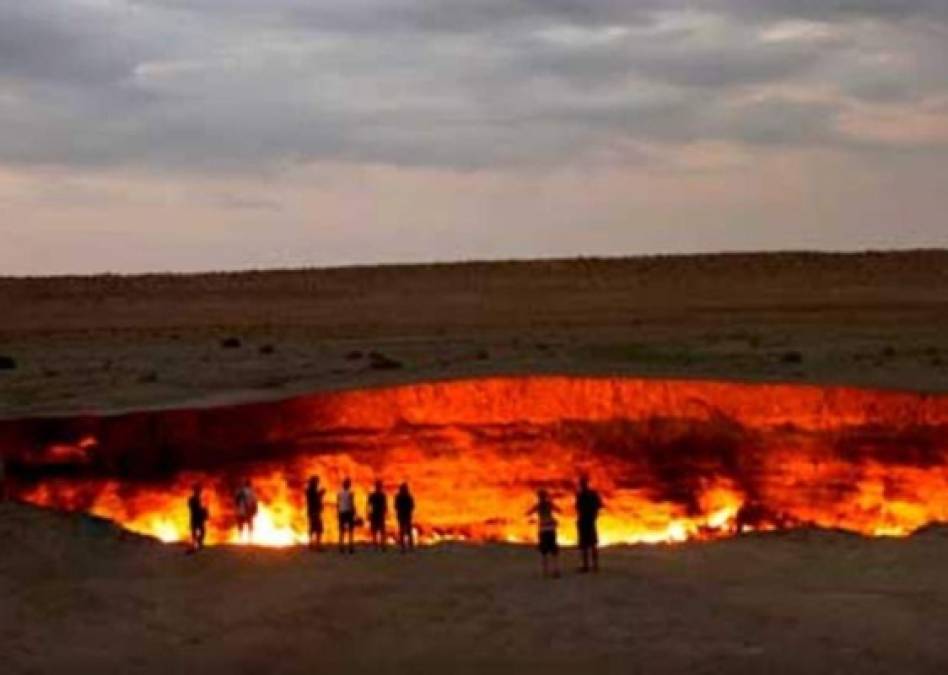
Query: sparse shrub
[482, 355]
[7, 363]
[149, 377]
[380, 361]
[889, 352]
[267, 349]
[230, 343]
[791, 357]
[354, 355]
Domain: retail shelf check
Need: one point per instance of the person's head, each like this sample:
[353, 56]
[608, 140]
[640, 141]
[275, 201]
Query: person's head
[378, 486]
[542, 495]
[403, 488]
[312, 482]
[583, 481]
[346, 483]
[196, 489]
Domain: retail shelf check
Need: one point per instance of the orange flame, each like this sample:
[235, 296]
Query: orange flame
[673, 461]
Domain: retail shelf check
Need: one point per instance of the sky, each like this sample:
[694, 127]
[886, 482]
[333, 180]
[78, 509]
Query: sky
[182, 135]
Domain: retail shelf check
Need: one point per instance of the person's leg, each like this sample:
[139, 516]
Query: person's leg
[383, 535]
[595, 557]
[342, 535]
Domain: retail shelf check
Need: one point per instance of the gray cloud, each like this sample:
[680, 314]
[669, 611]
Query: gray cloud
[61, 42]
[246, 85]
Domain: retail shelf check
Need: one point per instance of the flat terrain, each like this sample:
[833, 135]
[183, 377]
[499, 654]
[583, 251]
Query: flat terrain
[80, 596]
[78, 599]
[111, 342]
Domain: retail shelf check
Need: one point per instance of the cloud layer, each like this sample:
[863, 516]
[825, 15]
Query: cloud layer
[203, 89]
[456, 84]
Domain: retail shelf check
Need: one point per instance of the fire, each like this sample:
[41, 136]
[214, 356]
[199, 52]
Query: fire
[673, 461]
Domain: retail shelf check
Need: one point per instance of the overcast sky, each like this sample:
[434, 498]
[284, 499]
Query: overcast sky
[143, 135]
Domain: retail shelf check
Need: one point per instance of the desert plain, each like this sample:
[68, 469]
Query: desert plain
[82, 596]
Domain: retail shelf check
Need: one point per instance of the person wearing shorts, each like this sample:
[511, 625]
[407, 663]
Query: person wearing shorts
[345, 510]
[314, 512]
[588, 506]
[545, 511]
[245, 504]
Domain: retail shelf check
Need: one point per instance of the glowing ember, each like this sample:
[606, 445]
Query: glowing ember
[673, 460]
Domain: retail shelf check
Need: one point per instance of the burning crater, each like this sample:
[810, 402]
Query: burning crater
[673, 459]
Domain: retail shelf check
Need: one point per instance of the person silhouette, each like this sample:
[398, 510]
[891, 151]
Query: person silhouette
[245, 502]
[545, 511]
[345, 510]
[199, 516]
[404, 512]
[588, 506]
[377, 509]
[314, 512]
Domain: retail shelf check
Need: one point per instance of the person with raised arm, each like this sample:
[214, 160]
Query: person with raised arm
[545, 511]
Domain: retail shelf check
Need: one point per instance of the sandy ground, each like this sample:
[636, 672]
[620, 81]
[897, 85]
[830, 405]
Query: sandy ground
[113, 343]
[78, 599]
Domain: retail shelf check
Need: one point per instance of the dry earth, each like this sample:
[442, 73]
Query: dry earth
[80, 597]
[109, 343]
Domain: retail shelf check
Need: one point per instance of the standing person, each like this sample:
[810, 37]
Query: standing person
[345, 509]
[404, 511]
[545, 511]
[246, 503]
[199, 516]
[377, 509]
[314, 512]
[588, 505]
